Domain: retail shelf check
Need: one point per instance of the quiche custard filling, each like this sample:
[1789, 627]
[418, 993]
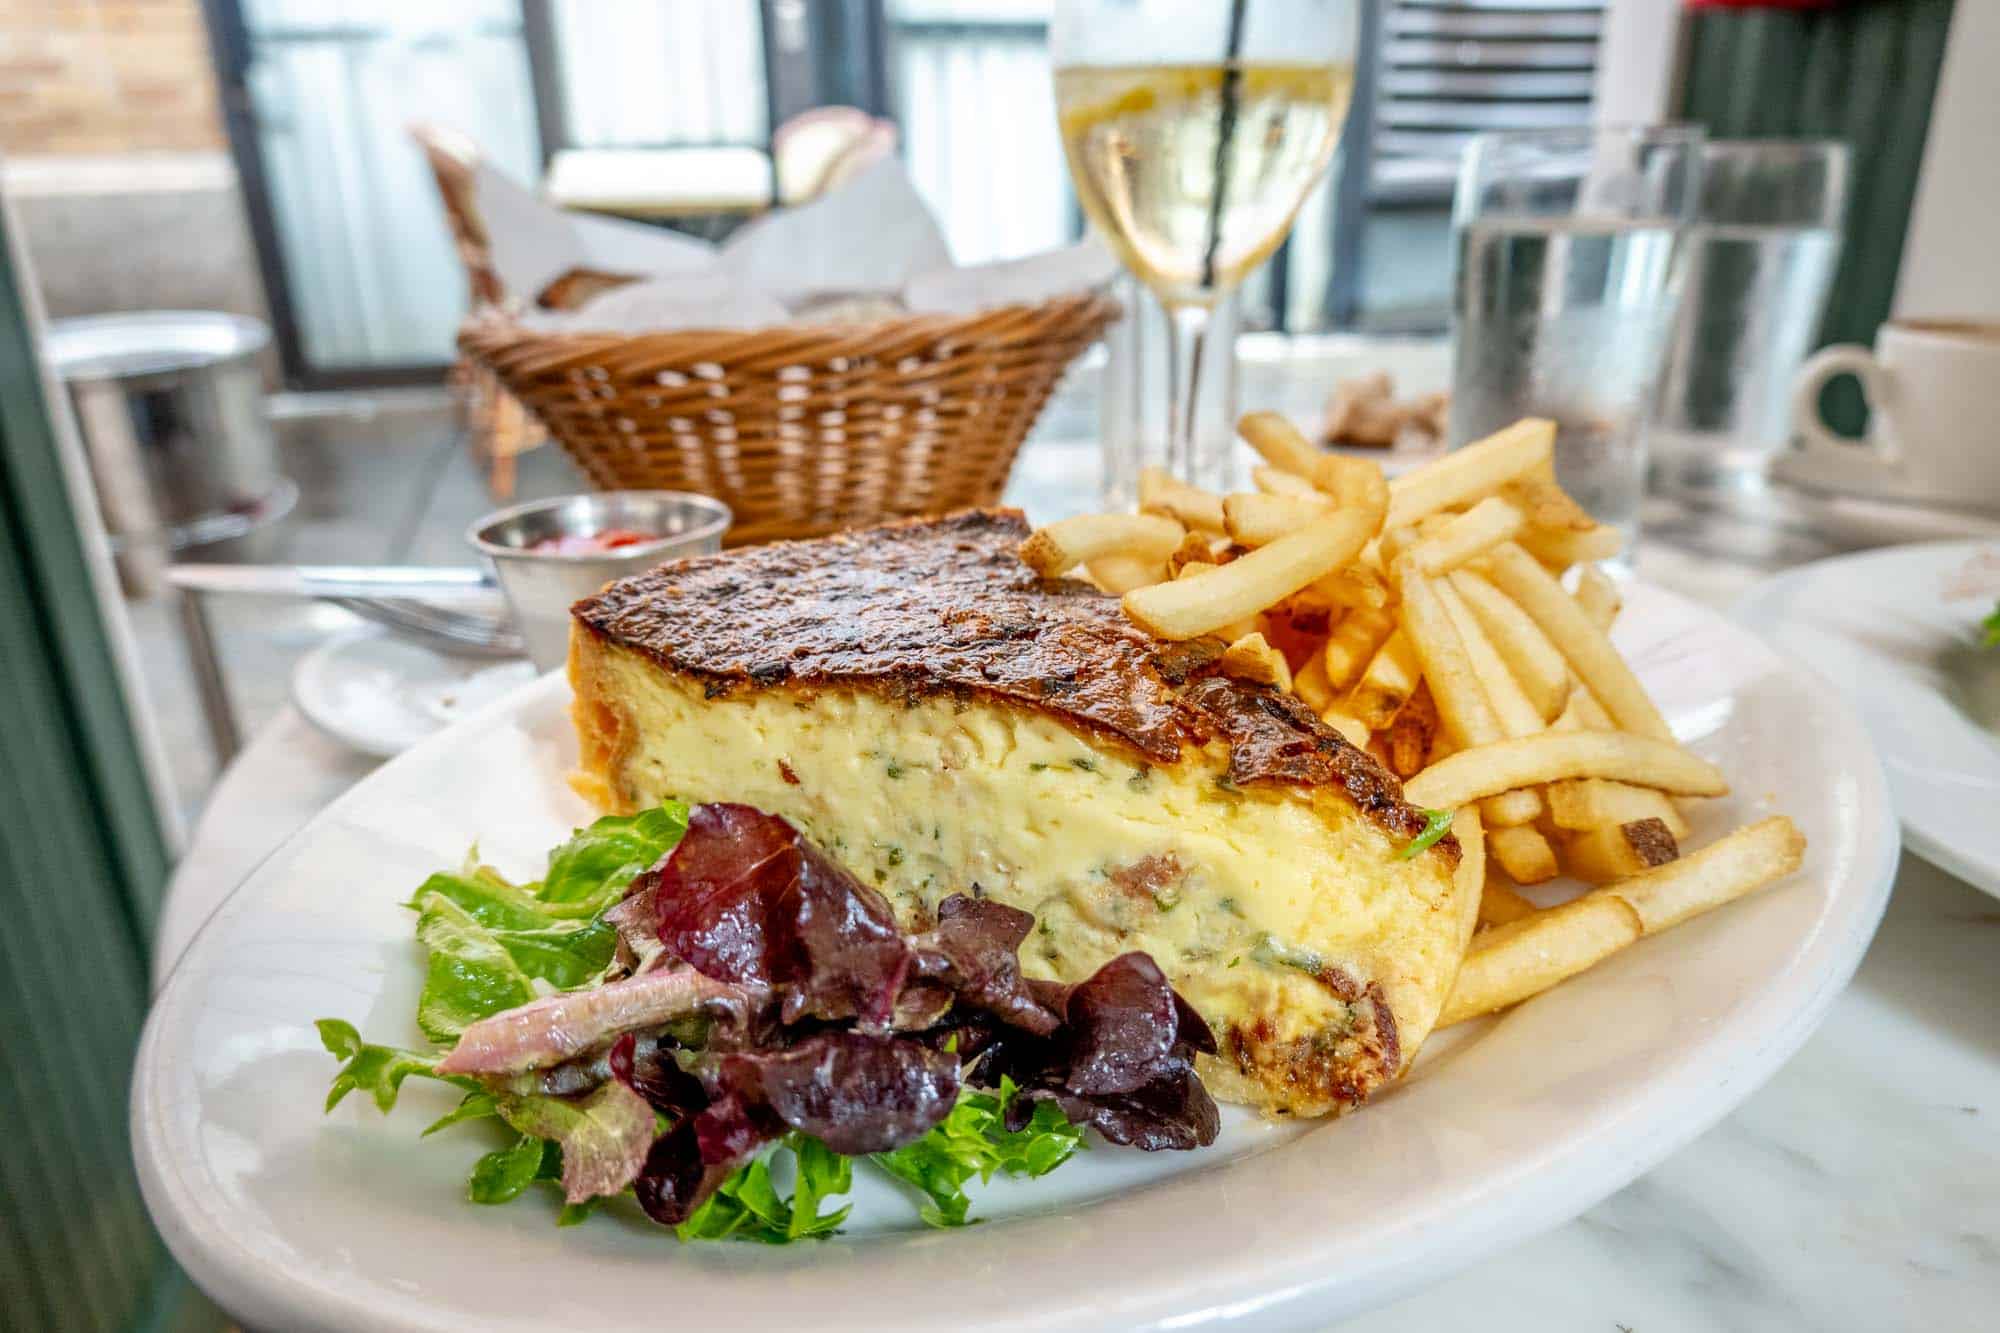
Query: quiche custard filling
[1280, 912]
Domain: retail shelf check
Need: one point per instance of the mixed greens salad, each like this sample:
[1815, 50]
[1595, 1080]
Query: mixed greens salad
[698, 1009]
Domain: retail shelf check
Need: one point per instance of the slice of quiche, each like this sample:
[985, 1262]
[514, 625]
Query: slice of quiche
[938, 717]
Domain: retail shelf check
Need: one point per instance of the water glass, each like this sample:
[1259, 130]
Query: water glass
[1566, 294]
[1759, 260]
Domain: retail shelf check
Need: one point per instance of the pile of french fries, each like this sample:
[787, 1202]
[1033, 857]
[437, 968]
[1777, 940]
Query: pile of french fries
[1452, 623]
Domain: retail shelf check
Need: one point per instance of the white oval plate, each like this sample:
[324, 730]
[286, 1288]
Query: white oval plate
[301, 1221]
[381, 694]
[1879, 626]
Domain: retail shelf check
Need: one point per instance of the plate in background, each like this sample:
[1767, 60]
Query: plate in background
[1881, 627]
[296, 1220]
[382, 694]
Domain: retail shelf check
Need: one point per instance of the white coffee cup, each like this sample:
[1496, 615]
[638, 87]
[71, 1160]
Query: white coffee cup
[1933, 389]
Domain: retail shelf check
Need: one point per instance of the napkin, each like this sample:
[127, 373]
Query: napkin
[868, 250]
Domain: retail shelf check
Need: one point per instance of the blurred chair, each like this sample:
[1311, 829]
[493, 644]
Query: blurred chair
[497, 426]
[818, 150]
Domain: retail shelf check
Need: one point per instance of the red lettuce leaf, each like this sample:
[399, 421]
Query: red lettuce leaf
[1122, 1062]
[975, 951]
[744, 898]
[853, 1091]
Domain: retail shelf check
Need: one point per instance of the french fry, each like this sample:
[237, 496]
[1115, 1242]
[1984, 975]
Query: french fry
[1597, 663]
[1354, 483]
[1583, 712]
[1461, 701]
[1598, 596]
[1118, 574]
[1465, 536]
[1387, 684]
[1581, 804]
[1559, 548]
[1470, 878]
[1442, 746]
[1512, 808]
[1465, 474]
[1353, 643]
[1309, 682]
[1721, 872]
[1355, 586]
[1161, 492]
[1618, 851]
[1063, 545]
[1517, 715]
[1252, 658]
[1393, 543]
[1280, 442]
[1277, 481]
[1547, 504]
[1535, 663]
[1187, 608]
[1408, 739]
[1500, 904]
[1486, 770]
[1463, 704]
[1350, 727]
[1256, 519]
[1195, 548]
[1513, 962]
[1523, 853]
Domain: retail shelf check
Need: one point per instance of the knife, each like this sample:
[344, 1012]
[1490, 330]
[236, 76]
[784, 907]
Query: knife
[441, 585]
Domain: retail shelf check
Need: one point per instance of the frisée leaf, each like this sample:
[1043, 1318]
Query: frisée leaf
[378, 1071]
[974, 1141]
[748, 1205]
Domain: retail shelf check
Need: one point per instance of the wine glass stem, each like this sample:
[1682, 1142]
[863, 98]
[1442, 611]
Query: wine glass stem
[1187, 335]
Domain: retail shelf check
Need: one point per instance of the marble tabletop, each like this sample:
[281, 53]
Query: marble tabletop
[1858, 1189]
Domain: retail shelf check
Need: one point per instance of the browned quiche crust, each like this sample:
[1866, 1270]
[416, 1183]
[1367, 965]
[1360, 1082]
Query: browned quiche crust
[942, 606]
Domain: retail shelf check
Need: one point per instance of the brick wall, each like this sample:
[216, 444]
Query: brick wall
[82, 77]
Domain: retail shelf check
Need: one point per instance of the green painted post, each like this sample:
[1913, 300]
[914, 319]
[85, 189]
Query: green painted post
[1863, 72]
[82, 862]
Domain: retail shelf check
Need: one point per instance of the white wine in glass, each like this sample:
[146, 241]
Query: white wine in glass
[1194, 130]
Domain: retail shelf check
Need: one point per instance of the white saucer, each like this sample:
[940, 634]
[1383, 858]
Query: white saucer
[1880, 627]
[381, 694]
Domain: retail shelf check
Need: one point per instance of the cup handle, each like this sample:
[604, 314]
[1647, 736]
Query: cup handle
[1821, 441]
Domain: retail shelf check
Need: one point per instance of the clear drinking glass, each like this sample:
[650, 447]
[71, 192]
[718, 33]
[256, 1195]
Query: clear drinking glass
[1566, 294]
[1759, 260]
[1132, 409]
[1194, 129]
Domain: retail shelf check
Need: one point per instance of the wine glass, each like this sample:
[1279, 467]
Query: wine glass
[1194, 130]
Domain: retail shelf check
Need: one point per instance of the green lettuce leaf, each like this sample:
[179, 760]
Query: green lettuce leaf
[603, 1136]
[477, 1105]
[378, 1071]
[488, 898]
[594, 867]
[1989, 630]
[469, 976]
[475, 971]
[749, 1206]
[501, 1175]
[974, 1141]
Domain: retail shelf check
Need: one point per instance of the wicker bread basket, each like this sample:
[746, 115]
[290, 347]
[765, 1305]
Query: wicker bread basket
[799, 429]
